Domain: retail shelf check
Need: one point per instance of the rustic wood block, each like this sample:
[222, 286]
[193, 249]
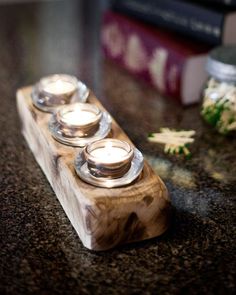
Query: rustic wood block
[103, 218]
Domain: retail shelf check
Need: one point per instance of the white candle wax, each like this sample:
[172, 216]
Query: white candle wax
[59, 87]
[109, 154]
[78, 117]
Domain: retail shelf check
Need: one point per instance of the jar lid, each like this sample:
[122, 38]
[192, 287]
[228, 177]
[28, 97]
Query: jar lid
[221, 63]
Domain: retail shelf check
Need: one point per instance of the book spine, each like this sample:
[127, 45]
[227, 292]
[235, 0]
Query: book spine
[188, 18]
[224, 2]
[143, 54]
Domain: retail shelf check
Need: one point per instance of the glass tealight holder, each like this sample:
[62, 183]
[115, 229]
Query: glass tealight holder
[56, 90]
[108, 158]
[79, 124]
[79, 119]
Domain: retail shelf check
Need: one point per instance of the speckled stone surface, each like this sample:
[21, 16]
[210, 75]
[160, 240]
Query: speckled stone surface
[40, 252]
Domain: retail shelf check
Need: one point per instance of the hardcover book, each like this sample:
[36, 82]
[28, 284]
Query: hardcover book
[174, 66]
[213, 25]
[223, 2]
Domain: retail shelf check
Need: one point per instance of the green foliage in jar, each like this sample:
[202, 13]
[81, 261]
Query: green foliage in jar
[219, 106]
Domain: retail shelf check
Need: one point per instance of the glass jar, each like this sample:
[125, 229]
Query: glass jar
[219, 95]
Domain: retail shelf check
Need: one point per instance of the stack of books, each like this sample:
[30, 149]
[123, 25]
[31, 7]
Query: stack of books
[166, 42]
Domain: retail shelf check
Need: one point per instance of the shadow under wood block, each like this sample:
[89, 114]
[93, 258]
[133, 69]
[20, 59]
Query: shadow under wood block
[102, 217]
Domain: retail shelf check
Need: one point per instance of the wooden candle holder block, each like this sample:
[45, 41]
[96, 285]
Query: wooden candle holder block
[102, 217]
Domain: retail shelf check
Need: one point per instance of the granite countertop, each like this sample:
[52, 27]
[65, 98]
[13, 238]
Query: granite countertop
[40, 251]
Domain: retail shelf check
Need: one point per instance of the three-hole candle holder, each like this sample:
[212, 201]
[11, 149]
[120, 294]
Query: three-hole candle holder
[108, 191]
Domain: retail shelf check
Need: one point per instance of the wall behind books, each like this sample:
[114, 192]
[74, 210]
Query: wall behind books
[104, 3]
[22, 1]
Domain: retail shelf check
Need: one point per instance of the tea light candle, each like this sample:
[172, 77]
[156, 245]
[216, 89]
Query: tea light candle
[56, 90]
[79, 116]
[79, 119]
[109, 153]
[108, 158]
[59, 87]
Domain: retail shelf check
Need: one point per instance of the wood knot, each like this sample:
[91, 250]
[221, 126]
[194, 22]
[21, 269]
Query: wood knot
[33, 113]
[131, 221]
[148, 200]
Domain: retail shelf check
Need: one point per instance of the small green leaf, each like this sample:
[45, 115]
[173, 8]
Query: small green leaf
[150, 135]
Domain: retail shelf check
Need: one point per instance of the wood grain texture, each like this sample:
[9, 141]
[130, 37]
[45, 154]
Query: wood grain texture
[103, 218]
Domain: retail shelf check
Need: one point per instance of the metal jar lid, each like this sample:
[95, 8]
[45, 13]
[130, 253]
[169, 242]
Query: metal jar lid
[221, 63]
